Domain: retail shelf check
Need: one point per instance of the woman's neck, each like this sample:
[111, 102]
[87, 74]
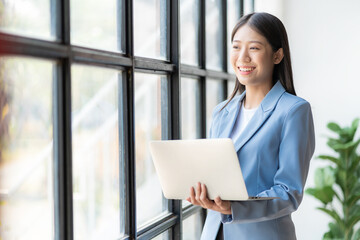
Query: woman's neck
[254, 95]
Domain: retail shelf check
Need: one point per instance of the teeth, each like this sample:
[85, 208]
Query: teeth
[246, 69]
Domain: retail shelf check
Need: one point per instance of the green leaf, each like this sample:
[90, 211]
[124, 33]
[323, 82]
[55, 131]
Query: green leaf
[332, 142]
[354, 217]
[334, 215]
[356, 236]
[345, 146]
[330, 158]
[325, 194]
[334, 127]
[324, 177]
[352, 221]
[327, 236]
[341, 178]
[336, 231]
[354, 164]
[355, 124]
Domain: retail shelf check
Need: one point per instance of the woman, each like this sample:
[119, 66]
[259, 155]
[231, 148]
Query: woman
[273, 134]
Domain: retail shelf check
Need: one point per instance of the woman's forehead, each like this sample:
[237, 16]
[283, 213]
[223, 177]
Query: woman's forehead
[247, 34]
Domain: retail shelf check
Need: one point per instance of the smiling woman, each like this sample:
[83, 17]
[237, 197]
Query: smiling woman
[273, 134]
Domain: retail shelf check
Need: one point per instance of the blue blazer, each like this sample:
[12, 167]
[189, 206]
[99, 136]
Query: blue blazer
[274, 152]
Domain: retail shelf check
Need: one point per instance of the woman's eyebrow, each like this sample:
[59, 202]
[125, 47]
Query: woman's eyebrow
[253, 41]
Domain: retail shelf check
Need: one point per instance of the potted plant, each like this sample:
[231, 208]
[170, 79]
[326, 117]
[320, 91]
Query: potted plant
[340, 182]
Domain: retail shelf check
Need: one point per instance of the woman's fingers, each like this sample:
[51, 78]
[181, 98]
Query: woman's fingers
[224, 206]
[198, 192]
[199, 197]
[206, 202]
[218, 202]
[192, 196]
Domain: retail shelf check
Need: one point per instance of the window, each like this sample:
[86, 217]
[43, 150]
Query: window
[84, 87]
[95, 152]
[26, 176]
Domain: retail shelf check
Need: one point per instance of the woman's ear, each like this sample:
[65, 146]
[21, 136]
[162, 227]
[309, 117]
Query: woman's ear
[278, 56]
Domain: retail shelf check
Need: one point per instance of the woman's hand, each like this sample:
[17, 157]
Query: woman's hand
[200, 198]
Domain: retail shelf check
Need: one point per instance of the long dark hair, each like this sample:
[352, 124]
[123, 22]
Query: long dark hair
[274, 31]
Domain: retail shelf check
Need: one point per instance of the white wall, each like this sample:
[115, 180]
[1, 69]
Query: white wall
[324, 38]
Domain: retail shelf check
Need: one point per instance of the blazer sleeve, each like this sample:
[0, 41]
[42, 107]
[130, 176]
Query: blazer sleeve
[295, 151]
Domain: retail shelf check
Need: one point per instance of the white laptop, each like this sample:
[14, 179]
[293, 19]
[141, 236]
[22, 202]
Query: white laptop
[181, 164]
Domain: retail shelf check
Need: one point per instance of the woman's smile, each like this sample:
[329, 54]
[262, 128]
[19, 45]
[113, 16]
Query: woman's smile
[246, 70]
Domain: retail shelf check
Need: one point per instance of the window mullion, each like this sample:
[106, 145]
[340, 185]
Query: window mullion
[62, 140]
[224, 45]
[241, 10]
[63, 153]
[129, 122]
[174, 127]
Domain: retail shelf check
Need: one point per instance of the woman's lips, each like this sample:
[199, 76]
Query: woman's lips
[245, 70]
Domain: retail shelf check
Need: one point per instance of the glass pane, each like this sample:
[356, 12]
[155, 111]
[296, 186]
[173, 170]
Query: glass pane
[214, 39]
[190, 108]
[95, 152]
[95, 23]
[233, 15]
[150, 29]
[214, 95]
[248, 6]
[190, 112]
[150, 102]
[26, 149]
[231, 86]
[164, 236]
[192, 227]
[189, 16]
[27, 17]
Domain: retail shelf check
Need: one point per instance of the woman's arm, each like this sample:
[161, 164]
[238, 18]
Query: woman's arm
[295, 151]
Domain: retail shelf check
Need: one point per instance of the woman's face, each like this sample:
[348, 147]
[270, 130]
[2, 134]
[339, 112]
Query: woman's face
[253, 58]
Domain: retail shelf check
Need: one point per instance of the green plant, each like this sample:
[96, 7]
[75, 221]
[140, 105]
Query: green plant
[340, 181]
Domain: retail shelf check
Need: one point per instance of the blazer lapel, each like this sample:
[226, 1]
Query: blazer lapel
[228, 120]
[264, 112]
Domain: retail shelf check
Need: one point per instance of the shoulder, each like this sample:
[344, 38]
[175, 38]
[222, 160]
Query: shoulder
[289, 103]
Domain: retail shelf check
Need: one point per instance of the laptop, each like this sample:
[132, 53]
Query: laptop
[180, 164]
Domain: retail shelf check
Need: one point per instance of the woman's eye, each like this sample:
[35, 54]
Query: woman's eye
[254, 48]
[235, 47]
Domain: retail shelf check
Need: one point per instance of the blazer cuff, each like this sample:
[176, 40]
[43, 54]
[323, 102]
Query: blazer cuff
[227, 218]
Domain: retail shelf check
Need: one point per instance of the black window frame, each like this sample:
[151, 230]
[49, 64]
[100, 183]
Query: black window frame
[66, 54]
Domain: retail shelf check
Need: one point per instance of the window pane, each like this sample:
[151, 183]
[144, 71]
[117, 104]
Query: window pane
[231, 86]
[95, 23]
[214, 95]
[189, 16]
[150, 102]
[26, 144]
[27, 17]
[192, 227]
[190, 108]
[150, 28]
[95, 152]
[190, 112]
[233, 10]
[248, 6]
[214, 39]
[164, 236]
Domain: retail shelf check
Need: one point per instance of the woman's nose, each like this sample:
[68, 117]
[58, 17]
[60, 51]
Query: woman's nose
[244, 57]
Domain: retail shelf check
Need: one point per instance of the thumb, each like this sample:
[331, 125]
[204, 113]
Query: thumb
[218, 201]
